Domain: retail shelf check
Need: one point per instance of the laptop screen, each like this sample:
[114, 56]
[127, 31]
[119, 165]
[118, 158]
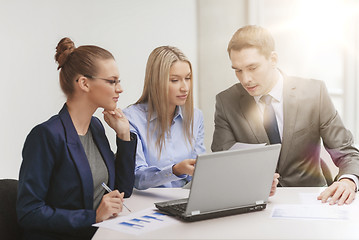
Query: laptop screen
[230, 179]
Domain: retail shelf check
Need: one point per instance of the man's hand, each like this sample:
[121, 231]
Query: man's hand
[274, 184]
[342, 192]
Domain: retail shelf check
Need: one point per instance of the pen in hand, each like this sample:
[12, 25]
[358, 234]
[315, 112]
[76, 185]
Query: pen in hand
[109, 190]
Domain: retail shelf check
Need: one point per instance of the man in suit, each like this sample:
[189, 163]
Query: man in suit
[269, 107]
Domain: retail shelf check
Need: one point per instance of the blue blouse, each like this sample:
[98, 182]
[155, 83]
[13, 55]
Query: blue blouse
[152, 169]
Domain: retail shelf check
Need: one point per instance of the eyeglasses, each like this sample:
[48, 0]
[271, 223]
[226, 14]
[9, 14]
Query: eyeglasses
[110, 81]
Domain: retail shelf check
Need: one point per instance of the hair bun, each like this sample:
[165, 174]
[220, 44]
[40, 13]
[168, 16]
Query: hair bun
[64, 48]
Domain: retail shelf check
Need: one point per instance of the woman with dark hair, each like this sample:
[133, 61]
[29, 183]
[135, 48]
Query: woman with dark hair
[68, 157]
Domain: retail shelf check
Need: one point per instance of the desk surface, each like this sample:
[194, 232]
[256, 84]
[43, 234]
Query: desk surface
[255, 225]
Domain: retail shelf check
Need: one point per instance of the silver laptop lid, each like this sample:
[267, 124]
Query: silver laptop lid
[232, 179]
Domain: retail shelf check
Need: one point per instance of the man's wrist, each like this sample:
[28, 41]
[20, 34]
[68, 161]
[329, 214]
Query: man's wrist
[352, 177]
[349, 181]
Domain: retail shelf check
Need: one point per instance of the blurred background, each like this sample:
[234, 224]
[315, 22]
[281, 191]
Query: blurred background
[314, 38]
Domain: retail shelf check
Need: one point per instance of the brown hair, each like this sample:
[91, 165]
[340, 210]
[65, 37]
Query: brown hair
[77, 61]
[252, 36]
[155, 93]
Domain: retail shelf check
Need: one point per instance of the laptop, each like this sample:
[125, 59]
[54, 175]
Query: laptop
[226, 183]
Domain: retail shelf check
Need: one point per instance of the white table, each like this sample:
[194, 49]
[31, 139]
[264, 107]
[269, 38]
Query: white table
[255, 225]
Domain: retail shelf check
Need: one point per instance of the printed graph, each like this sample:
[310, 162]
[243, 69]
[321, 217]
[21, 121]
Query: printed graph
[140, 222]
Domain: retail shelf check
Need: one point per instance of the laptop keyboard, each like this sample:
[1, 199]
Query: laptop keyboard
[181, 207]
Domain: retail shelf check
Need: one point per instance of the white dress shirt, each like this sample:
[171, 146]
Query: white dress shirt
[152, 168]
[277, 102]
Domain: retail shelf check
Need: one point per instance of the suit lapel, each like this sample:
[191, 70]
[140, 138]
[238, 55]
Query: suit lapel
[251, 112]
[78, 156]
[290, 107]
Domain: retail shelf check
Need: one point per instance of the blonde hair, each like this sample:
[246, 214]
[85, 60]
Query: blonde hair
[252, 36]
[155, 93]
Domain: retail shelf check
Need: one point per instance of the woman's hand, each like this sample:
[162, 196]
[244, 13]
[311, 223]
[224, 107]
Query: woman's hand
[118, 122]
[110, 206]
[184, 167]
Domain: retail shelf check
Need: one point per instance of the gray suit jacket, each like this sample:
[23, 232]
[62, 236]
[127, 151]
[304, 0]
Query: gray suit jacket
[308, 117]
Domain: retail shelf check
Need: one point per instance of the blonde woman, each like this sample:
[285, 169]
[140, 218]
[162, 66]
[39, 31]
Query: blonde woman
[169, 130]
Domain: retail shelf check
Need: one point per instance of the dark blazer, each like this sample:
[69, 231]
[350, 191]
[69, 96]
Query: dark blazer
[55, 193]
[308, 117]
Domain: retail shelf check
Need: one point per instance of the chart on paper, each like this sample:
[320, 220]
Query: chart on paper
[138, 223]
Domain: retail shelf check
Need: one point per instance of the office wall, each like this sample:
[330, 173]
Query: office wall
[217, 21]
[30, 30]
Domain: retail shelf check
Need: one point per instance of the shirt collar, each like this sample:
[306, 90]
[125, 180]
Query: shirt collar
[178, 113]
[276, 92]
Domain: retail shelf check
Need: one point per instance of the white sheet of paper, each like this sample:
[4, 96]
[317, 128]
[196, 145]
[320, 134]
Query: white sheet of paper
[239, 145]
[311, 198]
[313, 209]
[188, 185]
[139, 222]
[311, 212]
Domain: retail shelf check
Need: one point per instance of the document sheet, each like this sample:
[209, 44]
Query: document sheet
[313, 209]
[139, 222]
[239, 145]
